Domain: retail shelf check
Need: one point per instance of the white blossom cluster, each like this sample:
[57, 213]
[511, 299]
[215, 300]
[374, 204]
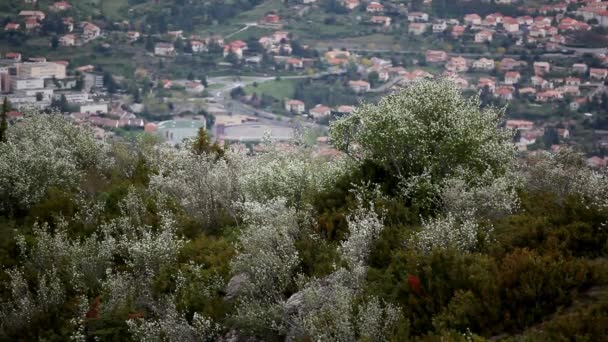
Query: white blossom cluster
[267, 252]
[489, 197]
[565, 173]
[365, 227]
[293, 173]
[324, 309]
[62, 264]
[203, 185]
[172, 326]
[423, 134]
[449, 231]
[26, 302]
[45, 151]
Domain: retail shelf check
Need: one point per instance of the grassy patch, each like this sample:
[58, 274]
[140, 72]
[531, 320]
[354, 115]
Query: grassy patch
[114, 8]
[277, 89]
[259, 11]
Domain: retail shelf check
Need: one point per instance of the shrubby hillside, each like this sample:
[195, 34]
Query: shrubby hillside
[428, 227]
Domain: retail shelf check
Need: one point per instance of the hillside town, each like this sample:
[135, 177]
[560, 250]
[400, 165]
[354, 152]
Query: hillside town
[546, 62]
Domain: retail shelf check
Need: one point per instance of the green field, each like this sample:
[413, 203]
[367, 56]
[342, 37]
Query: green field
[114, 8]
[259, 11]
[277, 89]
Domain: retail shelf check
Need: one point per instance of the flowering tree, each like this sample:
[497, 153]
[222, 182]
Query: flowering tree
[564, 173]
[41, 152]
[423, 134]
[292, 172]
[204, 185]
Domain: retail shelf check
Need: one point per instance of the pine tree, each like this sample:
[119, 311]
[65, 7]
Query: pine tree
[4, 120]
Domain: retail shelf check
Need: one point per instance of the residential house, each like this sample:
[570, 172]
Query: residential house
[598, 73]
[484, 64]
[572, 90]
[549, 95]
[36, 14]
[31, 23]
[510, 25]
[540, 82]
[178, 34]
[295, 106]
[498, 17]
[488, 83]
[67, 40]
[519, 124]
[319, 111]
[472, 19]
[68, 23]
[14, 56]
[440, 26]
[573, 81]
[525, 20]
[436, 56]
[541, 67]
[294, 63]
[580, 68]
[457, 64]
[417, 28]
[133, 36]
[61, 6]
[527, 91]
[164, 49]
[483, 36]
[237, 47]
[12, 27]
[381, 20]
[345, 109]
[505, 92]
[351, 4]
[417, 17]
[512, 77]
[458, 31]
[374, 7]
[198, 46]
[90, 31]
[194, 87]
[359, 86]
[271, 18]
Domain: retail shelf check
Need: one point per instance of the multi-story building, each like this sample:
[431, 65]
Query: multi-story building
[42, 70]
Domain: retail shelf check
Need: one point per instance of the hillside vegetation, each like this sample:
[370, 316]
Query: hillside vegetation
[427, 227]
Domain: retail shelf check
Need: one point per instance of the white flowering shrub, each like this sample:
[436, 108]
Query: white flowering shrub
[374, 319]
[293, 173]
[423, 134]
[565, 173]
[172, 326]
[26, 302]
[489, 197]
[267, 252]
[205, 186]
[45, 151]
[365, 227]
[450, 231]
[324, 309]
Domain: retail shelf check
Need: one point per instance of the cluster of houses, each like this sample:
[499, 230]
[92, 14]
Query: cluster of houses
[317, 112]
[276, 45]
[538, 85]
[30, 21]
[38, 83]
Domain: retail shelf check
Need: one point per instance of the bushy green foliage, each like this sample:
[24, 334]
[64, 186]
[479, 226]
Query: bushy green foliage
[139, 241]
